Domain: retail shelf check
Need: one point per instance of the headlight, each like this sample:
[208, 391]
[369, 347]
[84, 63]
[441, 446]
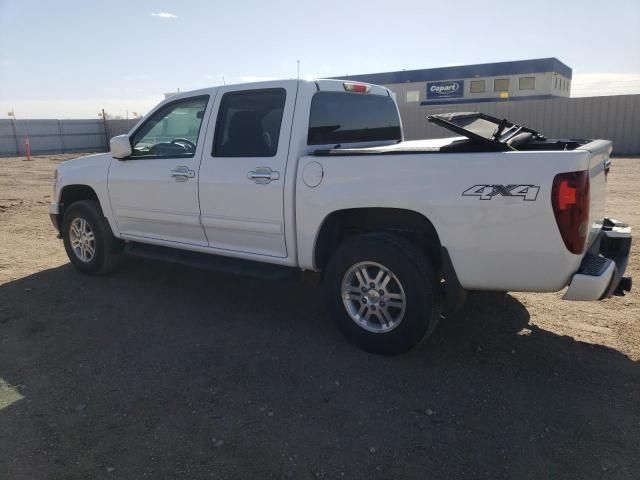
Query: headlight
[55, 181]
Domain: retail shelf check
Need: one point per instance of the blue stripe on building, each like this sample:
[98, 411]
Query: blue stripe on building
[466, 71]
[488, 99]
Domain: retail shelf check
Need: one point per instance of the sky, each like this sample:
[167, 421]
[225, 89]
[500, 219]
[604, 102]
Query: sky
[71, 58]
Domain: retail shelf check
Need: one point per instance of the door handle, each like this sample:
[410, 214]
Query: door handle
[182, 173]
[263, 175]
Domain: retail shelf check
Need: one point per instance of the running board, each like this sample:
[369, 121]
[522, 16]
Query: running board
[213, 262]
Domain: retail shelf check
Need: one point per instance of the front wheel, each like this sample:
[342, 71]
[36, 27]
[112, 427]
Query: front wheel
[88, 240]
[382, 291]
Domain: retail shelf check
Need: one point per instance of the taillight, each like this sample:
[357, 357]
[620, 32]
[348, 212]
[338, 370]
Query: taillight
[356, 87]
[570, 200]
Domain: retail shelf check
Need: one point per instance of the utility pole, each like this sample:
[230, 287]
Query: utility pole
[12, 114]
[106, 130]
[27, 143]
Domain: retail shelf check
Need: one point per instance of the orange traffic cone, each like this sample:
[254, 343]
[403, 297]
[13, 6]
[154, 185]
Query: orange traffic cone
[27, 148]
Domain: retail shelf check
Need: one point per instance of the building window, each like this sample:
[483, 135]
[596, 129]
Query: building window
[527, 83]
[413, 96]
[556, 78]
[501, 85]
[477, 86]
[568, 85]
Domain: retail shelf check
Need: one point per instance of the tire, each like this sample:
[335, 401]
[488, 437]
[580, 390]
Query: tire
[411, 275]
[102, 254]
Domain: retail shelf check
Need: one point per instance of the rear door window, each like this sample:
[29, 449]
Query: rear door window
[249, 123]
[338, 118]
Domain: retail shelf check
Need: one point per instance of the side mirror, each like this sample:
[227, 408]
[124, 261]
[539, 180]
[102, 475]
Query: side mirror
[120, 147]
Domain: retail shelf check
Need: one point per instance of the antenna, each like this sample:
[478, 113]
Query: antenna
[298, 77]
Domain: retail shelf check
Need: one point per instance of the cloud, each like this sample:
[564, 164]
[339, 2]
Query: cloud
[164, 15]
[596, 84]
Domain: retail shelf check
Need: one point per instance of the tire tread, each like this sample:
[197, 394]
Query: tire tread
[413, 259]
[110, 253]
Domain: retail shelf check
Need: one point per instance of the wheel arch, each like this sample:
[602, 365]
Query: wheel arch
[340, 224]
[75, 192]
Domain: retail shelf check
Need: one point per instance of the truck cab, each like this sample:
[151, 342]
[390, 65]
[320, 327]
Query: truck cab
[216, 169]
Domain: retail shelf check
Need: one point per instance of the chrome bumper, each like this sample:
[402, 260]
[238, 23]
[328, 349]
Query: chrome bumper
[601, 273]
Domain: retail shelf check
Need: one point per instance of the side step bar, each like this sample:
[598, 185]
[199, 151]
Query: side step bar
[216, 263]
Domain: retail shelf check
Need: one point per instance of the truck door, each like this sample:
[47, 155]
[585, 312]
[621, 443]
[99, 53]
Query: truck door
[154, 192]
[242, 173]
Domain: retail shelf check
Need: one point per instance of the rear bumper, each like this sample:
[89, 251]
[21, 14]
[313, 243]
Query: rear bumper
[601, 273]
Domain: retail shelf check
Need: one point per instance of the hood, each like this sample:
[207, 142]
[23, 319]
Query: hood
[95, 158]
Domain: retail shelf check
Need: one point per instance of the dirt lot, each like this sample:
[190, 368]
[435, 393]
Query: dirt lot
[159, 371]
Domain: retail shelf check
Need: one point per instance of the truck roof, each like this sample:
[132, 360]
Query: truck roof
[321, 84]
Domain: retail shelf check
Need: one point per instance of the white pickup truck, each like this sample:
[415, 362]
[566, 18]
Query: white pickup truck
[278, 177]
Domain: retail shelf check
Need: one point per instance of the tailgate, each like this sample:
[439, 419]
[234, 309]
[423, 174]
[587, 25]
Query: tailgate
[599, 163]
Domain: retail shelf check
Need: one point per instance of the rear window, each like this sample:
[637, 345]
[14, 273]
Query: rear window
[338, 118]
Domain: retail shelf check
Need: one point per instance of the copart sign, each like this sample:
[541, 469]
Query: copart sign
[448, 89]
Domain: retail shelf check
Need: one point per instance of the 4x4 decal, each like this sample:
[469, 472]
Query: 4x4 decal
[487, 192]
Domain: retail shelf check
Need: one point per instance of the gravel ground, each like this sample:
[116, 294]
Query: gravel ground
[160, 371]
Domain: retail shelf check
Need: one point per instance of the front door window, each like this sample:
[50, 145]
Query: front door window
[172, 132]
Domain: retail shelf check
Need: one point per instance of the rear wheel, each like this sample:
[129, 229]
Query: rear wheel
[88, 239]
[383, 292]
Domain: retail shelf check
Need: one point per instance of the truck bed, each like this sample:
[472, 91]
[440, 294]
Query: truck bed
[478, 133]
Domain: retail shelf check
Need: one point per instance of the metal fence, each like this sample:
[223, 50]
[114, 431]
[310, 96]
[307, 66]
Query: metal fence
[615, 118]
[59, 136]
[119, 127]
